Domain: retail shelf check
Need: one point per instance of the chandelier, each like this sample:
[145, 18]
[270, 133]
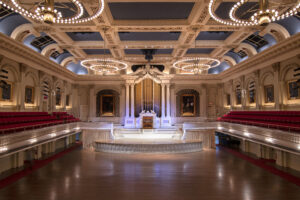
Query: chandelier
[264, 15]
[48, 12]
[196, 65]
[104, 66]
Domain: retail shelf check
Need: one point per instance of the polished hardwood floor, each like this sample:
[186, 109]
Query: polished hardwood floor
[206, 175]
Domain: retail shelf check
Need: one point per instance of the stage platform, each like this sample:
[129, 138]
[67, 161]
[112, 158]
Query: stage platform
[147, 141]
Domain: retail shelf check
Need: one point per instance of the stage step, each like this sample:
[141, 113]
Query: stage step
[154, 134]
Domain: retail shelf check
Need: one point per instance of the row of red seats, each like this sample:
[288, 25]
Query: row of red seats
[265, 119]
[264, 113]
[22, 114]
[14, 120]
[59, 113]
[10, 128]
[20, 121]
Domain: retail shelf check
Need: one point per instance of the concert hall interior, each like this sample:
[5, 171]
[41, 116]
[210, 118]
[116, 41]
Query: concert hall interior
[150, 99]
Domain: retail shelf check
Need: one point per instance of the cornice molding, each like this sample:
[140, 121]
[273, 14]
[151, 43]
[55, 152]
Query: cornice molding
[17, 51]
[279, 52]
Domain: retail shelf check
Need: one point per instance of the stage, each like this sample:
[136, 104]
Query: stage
[169, 140]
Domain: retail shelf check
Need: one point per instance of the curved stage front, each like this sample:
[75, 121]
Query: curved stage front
[127, 146]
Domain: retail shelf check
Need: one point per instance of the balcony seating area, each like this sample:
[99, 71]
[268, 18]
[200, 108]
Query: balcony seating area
[11, 122]
[283, 120]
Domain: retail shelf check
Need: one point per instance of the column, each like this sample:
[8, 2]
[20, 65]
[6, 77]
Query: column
[203, 100]
[37, 97]
[163, 105]
[132, 100]
[127, 100]
[153, 95]
[92, 104]
[278, 103]
[168, 101]
[258, 90]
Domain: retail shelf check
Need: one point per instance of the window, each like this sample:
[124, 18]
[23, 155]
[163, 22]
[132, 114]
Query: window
[67, 100]
[4, 12]
[293, 89]
[269, 94]
[6, 91]
[228, 100]
[58, 97]
[256, 41]
[41, 42]
[29, 94]
[242, 53]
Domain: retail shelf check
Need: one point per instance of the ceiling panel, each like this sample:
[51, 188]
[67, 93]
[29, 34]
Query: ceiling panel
[148, 36]
[213, 35]
[85, 36]
[150, 10]
[139, 51]
[199, 51]
[96, 51]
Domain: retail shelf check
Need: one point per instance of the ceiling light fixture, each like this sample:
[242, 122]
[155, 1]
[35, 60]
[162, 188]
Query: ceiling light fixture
[262, 17]
[47, 12]
[104, 66]
[196, 65]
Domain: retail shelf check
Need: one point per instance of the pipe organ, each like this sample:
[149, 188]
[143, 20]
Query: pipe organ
[147, 97]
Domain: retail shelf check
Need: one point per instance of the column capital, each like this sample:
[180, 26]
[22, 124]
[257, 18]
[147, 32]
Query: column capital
[276, 66]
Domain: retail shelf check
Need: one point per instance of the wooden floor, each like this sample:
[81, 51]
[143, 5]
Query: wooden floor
[206, 175]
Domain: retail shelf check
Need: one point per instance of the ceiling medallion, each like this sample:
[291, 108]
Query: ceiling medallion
[263, 16]
[47, 12]
[196, 65]
[104, 66]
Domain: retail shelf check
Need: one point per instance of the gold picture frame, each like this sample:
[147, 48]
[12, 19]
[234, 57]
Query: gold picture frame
[29, 95]
[254, 97]
[10, 95]
[188, 105]
[288, 90]
[107, 105]
[266, 87]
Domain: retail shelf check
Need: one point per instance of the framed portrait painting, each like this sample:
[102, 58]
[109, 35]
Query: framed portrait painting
[29, 95]
[6, 92]
[107, 105]
[188, 107]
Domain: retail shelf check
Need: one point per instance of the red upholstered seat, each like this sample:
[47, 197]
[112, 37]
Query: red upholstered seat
[19, 121]
[284, 120]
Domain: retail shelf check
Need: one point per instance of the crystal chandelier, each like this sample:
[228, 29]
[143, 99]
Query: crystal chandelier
[47, 12]
[196, 65]
[104, 66]
[263, 16]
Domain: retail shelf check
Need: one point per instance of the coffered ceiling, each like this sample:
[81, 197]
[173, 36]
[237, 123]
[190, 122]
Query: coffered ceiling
[175, 28]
